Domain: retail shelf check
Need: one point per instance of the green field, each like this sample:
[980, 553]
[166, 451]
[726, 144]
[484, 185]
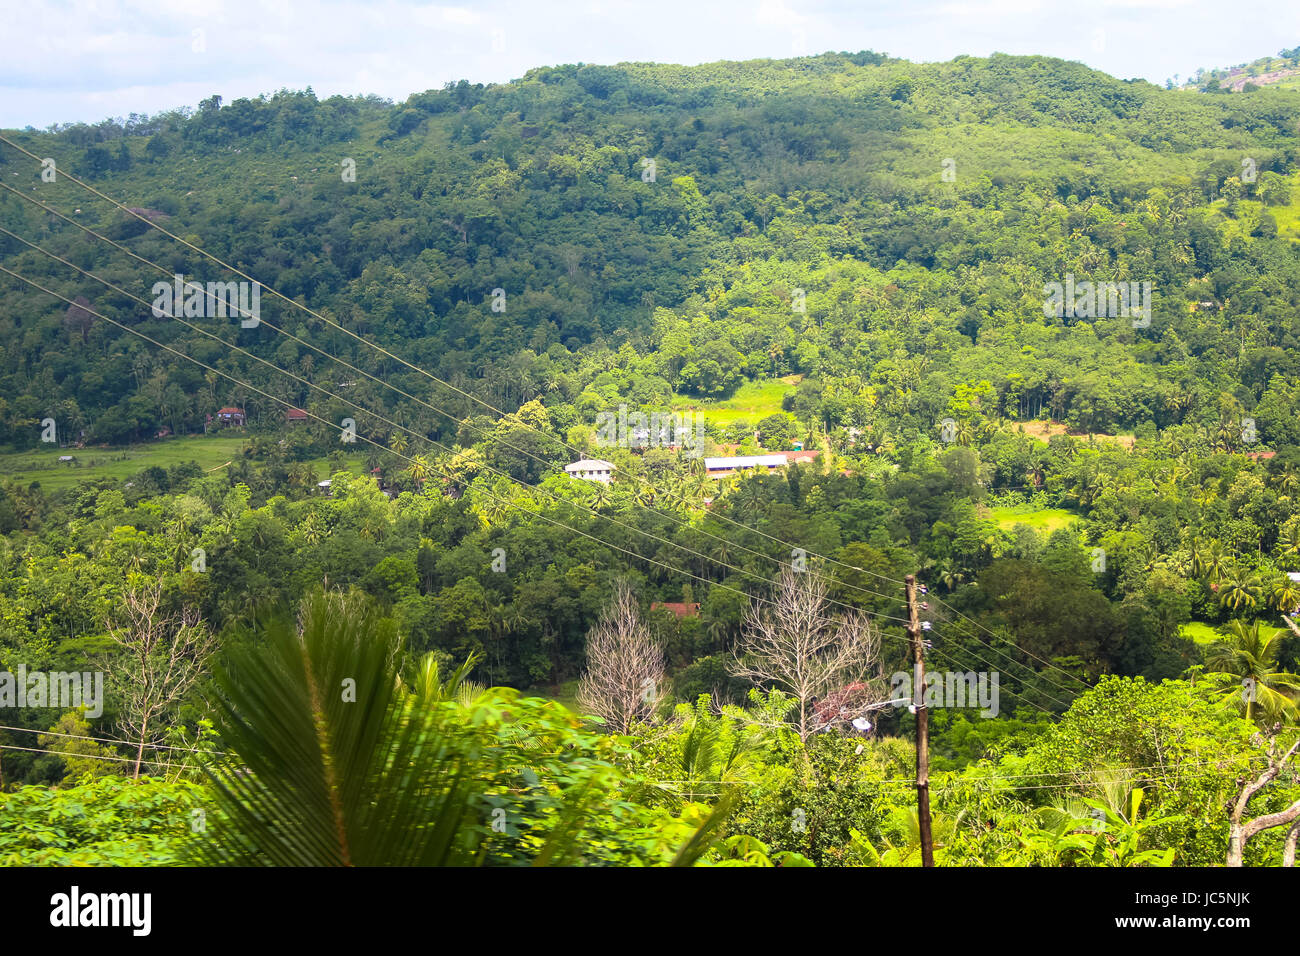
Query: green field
[1200, 633]
[1044, 520]
[1287, 216]
[1203, 633]
[210, 452]
[118, 463]
[752, 402]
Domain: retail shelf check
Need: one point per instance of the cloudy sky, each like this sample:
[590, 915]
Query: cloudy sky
[84, 60]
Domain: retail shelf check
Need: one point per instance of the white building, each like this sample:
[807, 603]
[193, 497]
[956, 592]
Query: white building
[591, 469]
[726, 466]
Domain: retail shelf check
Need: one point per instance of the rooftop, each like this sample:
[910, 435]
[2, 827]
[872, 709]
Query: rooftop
[745, 461]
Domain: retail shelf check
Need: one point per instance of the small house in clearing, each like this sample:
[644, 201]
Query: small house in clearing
[230, 416]
[591, 469]
[295, 416]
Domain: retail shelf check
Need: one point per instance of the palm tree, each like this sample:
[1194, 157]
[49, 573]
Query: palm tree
[1210, 560]
[392, 774]
[750, 496]
[1286, 595]
[602, 495]
[398, 444]
[1240, 589]
[1289, 483]
[1288, 544]
[419, 470]
[312, 528]
[1034, 474]
[1248, 654]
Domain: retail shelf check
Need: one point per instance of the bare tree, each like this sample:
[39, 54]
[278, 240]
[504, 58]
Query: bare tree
[163, 654]
[1239, 832]
[792, 642]
[625, 666]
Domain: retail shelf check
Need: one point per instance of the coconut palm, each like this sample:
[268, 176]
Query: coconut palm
[1034, 474]
[1289, 483]
[1285, 595]
[1247, 653]
[602, 495]
[1210, 560]
[1288, 543]
[1240, 589]
[419, 470]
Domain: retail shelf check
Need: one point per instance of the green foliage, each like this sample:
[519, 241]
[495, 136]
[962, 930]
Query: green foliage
[111, 821]
[798, 266]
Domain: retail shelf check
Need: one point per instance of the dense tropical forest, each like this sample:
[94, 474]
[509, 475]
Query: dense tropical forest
[349, 607]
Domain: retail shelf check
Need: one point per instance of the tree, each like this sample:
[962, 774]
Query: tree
[1240, 832]
[1210, 561]
[82, 755]
[776, 431]
[625, 666]
[331, 759]
[1249, 654]
[1240, 589]
[791, 642]
[164, 654]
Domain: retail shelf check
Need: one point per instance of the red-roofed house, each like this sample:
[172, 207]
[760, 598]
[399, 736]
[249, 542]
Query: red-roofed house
[230, 416]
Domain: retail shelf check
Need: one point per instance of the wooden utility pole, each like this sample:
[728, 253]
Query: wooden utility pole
[922, 726]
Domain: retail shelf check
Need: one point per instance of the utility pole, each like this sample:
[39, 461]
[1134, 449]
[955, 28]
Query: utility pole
[922, 726]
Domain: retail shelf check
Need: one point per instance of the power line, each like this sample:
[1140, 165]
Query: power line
[150, 223]
[506, 502]
[103, 740]
[347, 365]
[363, 410]
[409, 431]
[537, 488]
[50, 753]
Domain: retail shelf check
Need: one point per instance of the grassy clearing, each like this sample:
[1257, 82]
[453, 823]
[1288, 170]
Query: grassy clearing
[1199, 632]
[752, 402]
[42, 465]
[1042, 520]
[1288, 216]
[1203, 633]
[120, 463]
